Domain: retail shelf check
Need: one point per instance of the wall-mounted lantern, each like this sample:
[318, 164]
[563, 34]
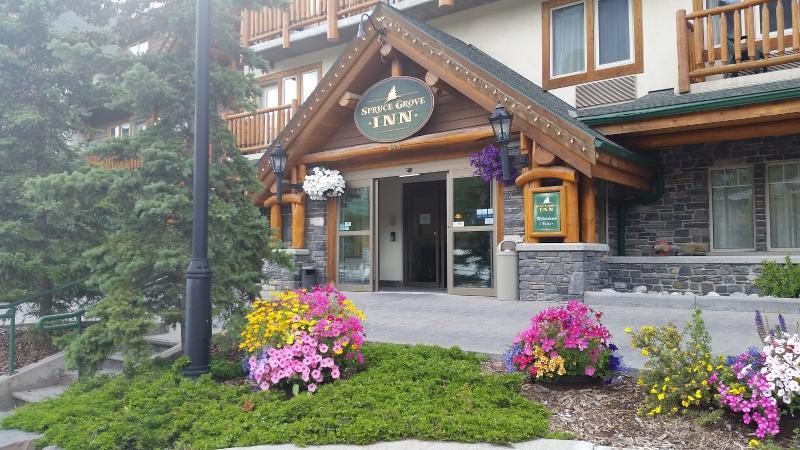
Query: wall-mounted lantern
[277, 159]
[501, 125]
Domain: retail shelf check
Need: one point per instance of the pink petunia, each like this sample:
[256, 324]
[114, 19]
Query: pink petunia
[312, 387]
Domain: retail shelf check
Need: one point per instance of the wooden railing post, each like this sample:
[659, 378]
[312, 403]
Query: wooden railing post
[684, 83]
[285, 28]
[333, 20]
[245, 28]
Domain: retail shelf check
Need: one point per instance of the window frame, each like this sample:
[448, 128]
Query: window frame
[592, 71]
[710, 188]
[278, 79]
[632, 34]
[770, 248]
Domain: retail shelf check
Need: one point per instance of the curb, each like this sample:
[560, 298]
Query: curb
[692, 301]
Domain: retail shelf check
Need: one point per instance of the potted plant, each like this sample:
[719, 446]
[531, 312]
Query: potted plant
[567, 345]
[488, 165]
[323, 183]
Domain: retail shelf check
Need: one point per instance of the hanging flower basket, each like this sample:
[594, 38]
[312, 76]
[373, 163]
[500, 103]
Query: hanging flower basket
[323, 183]
[488, 165]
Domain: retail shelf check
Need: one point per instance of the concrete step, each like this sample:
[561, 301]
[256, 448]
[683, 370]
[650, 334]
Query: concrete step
[40, 394]
[18, 440]
[113, 362]
[159, 343]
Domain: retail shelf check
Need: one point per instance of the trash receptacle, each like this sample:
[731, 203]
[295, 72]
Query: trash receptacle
[308, 277]
[507, 271]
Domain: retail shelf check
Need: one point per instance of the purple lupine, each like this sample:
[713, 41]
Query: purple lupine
[782, 323]
[762, 332]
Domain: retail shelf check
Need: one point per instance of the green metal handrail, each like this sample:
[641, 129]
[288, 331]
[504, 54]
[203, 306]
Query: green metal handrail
[11, 315]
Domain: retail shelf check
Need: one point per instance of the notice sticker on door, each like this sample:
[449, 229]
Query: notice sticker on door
[458, 224]
[348, 224]
[488, 221]
[424, 219]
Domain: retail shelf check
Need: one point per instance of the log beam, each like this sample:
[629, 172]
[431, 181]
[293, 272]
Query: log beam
[419, 143]
[556, 172]
[349, 100]
[543, 157]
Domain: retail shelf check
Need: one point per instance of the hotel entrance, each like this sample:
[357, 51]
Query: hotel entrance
[417, 231]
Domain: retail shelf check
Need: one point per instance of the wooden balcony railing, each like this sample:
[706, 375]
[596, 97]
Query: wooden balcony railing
[254, 131]
[725, 40]
[274, 22]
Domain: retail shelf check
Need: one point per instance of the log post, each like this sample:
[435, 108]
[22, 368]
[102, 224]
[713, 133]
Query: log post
[588, 212]
[275, 219]
[397, 66]
[299, 224]
[684, 83]
[245, 37]
[573, 224]
[333, 20]
[285, 17]
[332, 219]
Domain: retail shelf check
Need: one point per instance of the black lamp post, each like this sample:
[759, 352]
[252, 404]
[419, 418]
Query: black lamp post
[197, 321]
[501, 124]
[277, 160]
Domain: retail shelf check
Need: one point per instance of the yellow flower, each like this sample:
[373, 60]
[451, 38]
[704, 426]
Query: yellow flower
[666, 379]
[628, 329]
[661, 396]
[645, 352]
[754, 443]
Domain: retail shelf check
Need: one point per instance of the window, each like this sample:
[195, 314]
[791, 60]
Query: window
[589, 40]
[282, 88]
[783, 190]
[140, 48]
[121, 130]
[732, 225]
[140, 126]
[772, 8]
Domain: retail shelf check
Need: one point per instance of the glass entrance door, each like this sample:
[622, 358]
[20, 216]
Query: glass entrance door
[471, 235]
[354, 239]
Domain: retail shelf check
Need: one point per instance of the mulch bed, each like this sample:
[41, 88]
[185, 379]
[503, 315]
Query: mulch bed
[607, 415]
[31, 346]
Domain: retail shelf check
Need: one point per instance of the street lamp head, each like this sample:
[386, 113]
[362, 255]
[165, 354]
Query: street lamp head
[277, 160]
[501, 124]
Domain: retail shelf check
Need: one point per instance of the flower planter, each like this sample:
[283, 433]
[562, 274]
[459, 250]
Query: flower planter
[570, 381]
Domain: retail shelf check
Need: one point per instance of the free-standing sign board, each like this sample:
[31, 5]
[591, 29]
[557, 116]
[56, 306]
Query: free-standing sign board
[546, 208]
[394, 109]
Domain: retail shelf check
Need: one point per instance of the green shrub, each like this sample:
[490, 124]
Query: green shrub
[407, 392]
[223, 370]
[677, 368]
[779, 280]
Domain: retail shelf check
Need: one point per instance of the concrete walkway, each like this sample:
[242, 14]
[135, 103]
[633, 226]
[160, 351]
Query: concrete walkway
[539, 444]
[486, 325]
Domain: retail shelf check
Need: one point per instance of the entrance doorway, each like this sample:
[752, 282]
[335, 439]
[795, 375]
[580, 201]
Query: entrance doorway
[424, 243]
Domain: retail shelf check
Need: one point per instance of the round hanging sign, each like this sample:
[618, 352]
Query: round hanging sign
[394, 109]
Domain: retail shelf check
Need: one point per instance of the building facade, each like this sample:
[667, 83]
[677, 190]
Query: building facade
[654, 144]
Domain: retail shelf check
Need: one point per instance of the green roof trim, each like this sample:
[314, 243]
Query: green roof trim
[611, 147]
[690, 107]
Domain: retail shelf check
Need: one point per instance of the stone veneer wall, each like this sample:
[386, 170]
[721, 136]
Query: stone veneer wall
[559, 272]
[724, 275]
[682, 215]
[278, 278]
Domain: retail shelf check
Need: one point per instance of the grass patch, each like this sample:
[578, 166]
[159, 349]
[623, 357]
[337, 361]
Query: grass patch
[420, 392]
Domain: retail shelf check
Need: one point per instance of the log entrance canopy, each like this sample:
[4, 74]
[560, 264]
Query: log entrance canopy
[467, 85]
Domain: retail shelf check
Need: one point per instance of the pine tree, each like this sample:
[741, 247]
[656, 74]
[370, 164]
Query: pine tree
[46, 90]
[141, 218]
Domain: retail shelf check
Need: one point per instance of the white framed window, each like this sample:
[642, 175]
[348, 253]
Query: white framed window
[140, 48]
[613, 33]
[309, 83]
[269, 96]
[141, 126]
[783, 205]
[289, 89]
[568, 39]
[732, 214]
[123, 129]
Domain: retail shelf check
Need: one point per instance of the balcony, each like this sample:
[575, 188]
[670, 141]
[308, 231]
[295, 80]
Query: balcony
[255, 131]
[730, 40]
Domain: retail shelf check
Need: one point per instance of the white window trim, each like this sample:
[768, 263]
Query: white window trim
[631, 39]
[711, 209]
[583, 29]
[770, 248]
